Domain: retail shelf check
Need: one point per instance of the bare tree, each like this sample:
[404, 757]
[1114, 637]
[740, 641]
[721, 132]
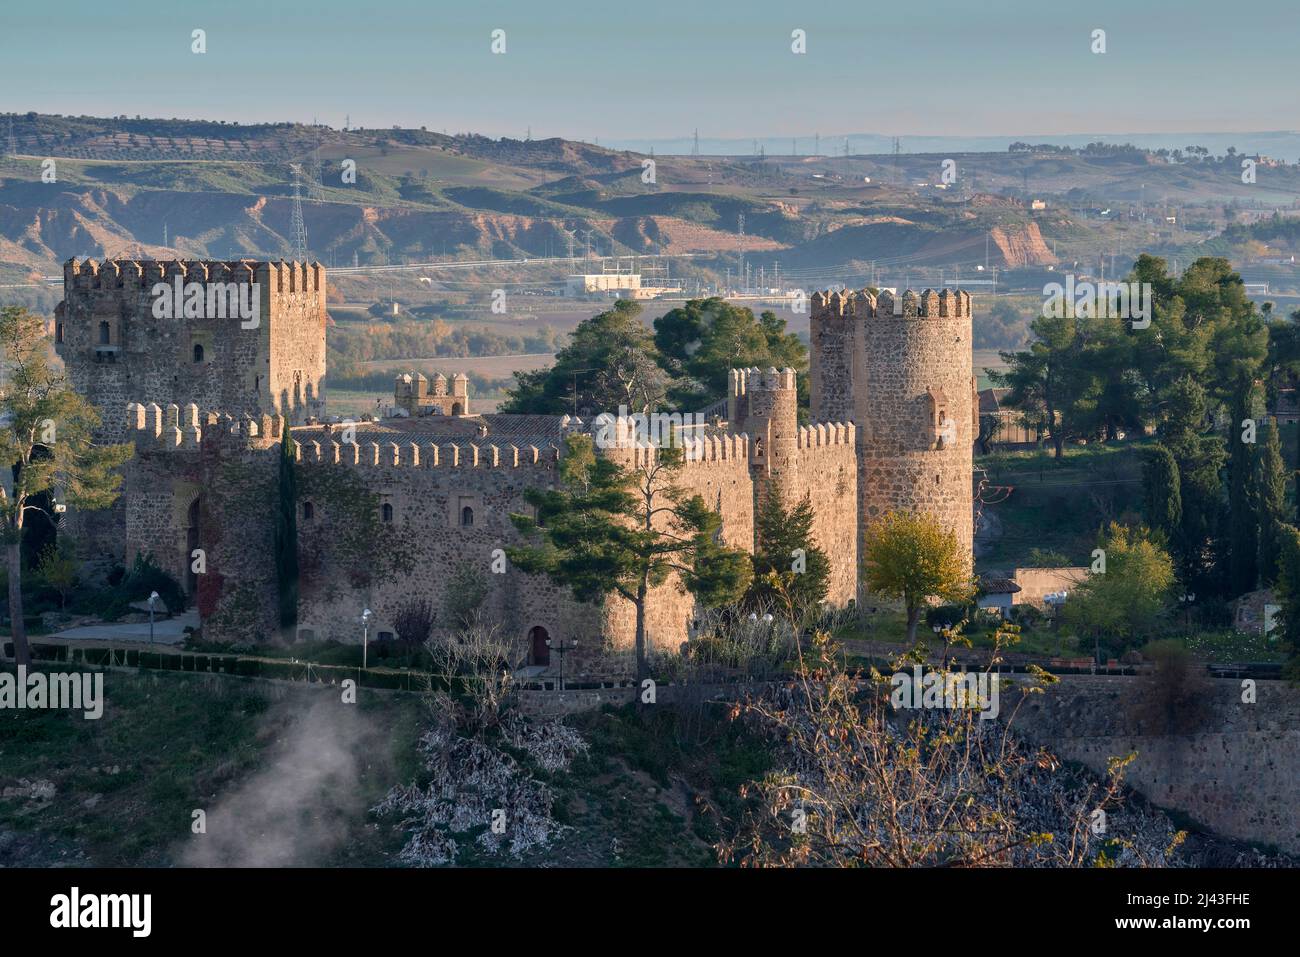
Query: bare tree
[861, 786]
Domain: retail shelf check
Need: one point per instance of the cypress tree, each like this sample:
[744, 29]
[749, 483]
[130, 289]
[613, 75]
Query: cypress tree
[1268, 497]
[1243, 531]
[1164, 500]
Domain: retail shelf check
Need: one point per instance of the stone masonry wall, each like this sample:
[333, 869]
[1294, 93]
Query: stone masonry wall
[1235, 770]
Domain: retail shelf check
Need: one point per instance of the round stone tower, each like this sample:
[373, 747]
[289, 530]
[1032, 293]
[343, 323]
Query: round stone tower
[917, 428]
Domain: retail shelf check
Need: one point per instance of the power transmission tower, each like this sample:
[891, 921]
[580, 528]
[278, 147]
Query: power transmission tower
[11, 146]
[298, 227]
[695, 147]
[896, 150]
[817, 144]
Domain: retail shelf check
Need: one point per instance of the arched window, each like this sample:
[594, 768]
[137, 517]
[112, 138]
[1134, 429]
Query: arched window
[103, 334]
[467, 516]
[308, 511]
[58, 332]
[386, 511]
[198, 352]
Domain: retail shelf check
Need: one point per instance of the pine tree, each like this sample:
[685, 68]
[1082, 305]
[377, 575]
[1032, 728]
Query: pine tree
[601, 534]
[789, 568]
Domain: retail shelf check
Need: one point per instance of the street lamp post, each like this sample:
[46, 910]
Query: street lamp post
[365, 637]
[153, 598]
[1186, 600]
[561, 649]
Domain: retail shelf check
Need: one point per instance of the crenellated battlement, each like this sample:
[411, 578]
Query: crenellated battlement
[827, 433]
[173, 427]
[910, 304]
[416, 455]
[279, 277]
[743, 381]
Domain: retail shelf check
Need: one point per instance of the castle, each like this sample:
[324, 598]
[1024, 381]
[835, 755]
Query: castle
[388, 510]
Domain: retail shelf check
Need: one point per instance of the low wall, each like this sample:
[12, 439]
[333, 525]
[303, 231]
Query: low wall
[1230, 766]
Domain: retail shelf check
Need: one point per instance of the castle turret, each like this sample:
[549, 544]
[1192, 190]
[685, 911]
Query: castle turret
[900, 366]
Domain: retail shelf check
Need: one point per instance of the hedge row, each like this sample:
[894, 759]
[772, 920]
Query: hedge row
[219, 664]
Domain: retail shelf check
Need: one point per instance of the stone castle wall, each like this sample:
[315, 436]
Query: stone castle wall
[414, 496]
[892, 394]
[1233, 769]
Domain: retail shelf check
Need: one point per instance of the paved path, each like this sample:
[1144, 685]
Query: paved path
[166, 631]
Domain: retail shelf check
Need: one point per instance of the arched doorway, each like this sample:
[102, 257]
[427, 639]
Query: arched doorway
[191, 543]
[540, 650]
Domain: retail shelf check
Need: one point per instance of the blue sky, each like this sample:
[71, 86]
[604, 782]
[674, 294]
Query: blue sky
[644, 69]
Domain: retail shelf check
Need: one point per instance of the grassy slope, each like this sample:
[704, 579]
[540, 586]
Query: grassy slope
[125, 785]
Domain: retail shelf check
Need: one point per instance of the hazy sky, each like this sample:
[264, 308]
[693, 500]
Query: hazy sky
[621, 69]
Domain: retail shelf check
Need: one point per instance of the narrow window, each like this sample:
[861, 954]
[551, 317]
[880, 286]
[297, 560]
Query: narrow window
[308, 511]
[198, 352]
[467, 516]
[103, 334]
[387, 512]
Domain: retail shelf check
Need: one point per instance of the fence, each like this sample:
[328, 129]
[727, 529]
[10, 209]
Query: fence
[245, 666]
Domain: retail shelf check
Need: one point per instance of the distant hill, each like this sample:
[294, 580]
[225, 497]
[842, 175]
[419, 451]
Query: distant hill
[194, 189]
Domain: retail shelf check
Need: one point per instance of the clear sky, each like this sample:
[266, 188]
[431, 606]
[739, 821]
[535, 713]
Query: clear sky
[633, 69]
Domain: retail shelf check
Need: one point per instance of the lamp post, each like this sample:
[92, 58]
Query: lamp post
[153, 598]
[1186, 600]
[365, 637]
[559, 647]
[1055, 600]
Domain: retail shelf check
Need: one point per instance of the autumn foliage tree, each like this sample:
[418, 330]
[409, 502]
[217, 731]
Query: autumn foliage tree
[911, 557]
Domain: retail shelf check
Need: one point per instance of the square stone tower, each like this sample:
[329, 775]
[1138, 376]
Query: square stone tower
[245, 337]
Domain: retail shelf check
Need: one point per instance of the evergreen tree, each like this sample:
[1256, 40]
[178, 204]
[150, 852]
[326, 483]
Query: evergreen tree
[789, 568]
[286, 535]
[1268, 499]
[611, 361]
[603, 533]
[1198, 457]
[1288, 593]
[1164, 500]
[1243, 529]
